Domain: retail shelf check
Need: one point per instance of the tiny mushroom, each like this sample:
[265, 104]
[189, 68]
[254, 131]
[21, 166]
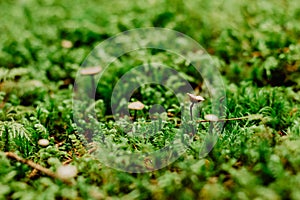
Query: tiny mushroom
[43, 142]
[211, 117]
[66, 172]
[194, 99]
[91, 71]
[66, 44]
[137, 105]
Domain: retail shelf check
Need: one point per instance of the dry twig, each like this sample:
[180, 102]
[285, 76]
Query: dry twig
[235, 118]
[36, 166]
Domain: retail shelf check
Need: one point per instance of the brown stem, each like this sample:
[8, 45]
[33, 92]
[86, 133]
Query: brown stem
[36, 166]
[230, 119]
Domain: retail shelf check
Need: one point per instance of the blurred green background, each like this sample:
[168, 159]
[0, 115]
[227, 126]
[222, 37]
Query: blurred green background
[256, 41]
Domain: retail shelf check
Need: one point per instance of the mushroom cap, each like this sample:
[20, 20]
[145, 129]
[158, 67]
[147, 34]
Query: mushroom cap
[211, 117]
[43, 142]
[137, 105]
[66, 171]
[194, 98]
[90, 70]
[66, 44]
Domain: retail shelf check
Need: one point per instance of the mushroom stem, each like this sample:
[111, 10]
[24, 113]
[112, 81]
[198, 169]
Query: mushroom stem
[194, 99]
[211, 127]
[136, 106]
[134, 116]
[191, 110]
[93, 87]
[91, 71]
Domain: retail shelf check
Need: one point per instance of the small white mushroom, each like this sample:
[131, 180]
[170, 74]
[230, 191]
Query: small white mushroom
[66, 44]
[43, 142]
[66, 171]
[137, 105]
[91, 71]
[211, 117]
[194, 99]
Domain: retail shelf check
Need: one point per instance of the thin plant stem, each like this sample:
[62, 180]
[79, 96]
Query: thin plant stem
[191, 111]
[134, 116]
[230, 119]
[93, 87]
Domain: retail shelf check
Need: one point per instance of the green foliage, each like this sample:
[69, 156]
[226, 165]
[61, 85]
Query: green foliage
[255, 44]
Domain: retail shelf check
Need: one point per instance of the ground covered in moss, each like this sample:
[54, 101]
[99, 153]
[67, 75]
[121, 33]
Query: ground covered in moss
[255, 46]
